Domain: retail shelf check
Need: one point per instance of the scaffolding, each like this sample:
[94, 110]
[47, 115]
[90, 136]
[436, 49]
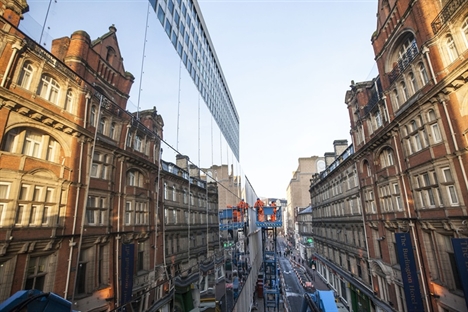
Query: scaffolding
[233, 226]
[269, 219]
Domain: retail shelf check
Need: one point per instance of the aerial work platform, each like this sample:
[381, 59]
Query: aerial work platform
[231, 218]
[272, 217]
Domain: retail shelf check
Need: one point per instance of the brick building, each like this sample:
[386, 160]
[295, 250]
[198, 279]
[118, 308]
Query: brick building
[79, 186]
[191, 234]
[409, 128]
[297, 196]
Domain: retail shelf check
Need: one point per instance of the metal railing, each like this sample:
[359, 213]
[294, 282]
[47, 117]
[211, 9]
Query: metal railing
[404, 61]
[446, 13]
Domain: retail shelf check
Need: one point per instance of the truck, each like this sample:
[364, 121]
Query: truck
[321, 301]
[35, 300]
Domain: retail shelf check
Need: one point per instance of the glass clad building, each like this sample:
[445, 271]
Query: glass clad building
[184, 25]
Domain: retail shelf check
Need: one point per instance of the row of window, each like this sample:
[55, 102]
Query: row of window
[408, 85]
[450, 42]
[414, 137]
[170, 193]
[47, 88]
[434, 188]
[390, 198]
[352, 264]
[37, 206]
[354, 236]
[176, 244]
[32, 142]
[177, 216]
[351, 206]
[93, 271]
[337, 187]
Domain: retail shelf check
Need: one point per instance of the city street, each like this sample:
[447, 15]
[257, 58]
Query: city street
[292, 272]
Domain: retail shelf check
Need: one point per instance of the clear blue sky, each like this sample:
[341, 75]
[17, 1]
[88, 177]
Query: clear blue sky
[287, 63]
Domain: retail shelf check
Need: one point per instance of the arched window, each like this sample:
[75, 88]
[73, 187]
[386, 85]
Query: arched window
[415, 137]
[404, 91]
[25, 76]
[135, 178]
[367, 169]
[396, 99]
[464, 29]
[137, 143]
[92, 116]
[435, 130]
[423, 74]
[413, 84]
[102, 125]
[403, 54]
[69, 99]
[451, 48]
[32, 142]
[112, 130]
[49, 89]
[386, 158]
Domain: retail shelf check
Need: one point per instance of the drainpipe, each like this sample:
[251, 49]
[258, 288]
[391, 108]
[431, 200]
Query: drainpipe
[444, 104]
[117, 245]
[412, 227]
[425, 51]
[189, 209]
[88, 179]
[15, 47]
[119, 208]
[363, 218]
[72, 243]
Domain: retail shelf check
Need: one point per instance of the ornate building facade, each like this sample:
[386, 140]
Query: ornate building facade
[191, 235]
[79, 190]
[409, 128]
[297, 197]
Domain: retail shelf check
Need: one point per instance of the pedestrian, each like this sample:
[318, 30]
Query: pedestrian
[273, 216]
[260, 214]
[235, 285]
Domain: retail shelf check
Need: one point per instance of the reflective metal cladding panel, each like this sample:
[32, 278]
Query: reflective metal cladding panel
[184, 25]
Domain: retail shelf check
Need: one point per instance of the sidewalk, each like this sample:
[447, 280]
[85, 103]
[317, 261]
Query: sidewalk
[317, 280]
[319, 283]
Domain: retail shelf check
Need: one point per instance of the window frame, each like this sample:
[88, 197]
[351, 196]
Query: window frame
[26, 75]
[451, 48]
[49, 88]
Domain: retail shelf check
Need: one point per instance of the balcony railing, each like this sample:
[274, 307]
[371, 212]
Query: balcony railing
[446, 13]
[404, 61]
